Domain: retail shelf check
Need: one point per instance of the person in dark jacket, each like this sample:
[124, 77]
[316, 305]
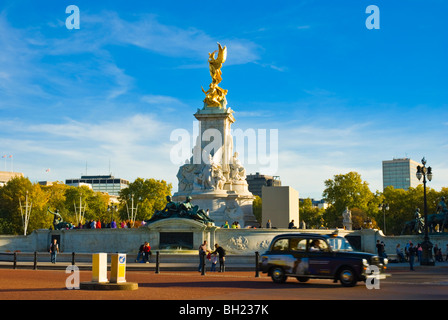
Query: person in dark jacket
[140, 253]
[54, 249]
[412, 252]
[221, 256]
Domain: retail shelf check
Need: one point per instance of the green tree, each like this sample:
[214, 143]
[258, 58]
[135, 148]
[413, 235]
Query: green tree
[56, 198]
[257, 209]
[403, 204]
[347, 191]
[94, 204]
[362, 220]
[309, 214]
[149, 195]
[14, 194]
[98, 203]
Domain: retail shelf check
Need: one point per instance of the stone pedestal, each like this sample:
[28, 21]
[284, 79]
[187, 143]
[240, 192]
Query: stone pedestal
[214, 176]
[197, 232]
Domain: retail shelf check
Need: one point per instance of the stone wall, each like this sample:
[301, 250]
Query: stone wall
[236, 241]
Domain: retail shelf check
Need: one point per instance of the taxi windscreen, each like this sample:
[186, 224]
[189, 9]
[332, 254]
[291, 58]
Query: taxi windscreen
[339, 244]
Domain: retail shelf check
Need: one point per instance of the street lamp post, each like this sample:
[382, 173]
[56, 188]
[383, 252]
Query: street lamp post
[425, 172]
[111, 209]
[384, 207]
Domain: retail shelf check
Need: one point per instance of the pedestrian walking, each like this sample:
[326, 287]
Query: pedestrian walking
[221, 257]
[436, 250]
[439, 256]
[54, 249]
[412, 252]
[202, 252]
[446, 258]
[380, 248]
[419, 252]
[406, 249]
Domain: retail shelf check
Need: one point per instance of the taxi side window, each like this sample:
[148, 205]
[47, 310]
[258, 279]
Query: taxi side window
[324, 246]
[318, 245]
[281, 245]
[298, 244]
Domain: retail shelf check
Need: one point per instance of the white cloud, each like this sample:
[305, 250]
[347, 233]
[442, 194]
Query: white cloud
[171, 40]
[138, 146]
[146, 32]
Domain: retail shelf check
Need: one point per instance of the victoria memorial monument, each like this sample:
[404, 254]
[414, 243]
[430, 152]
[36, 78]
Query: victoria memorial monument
[214, 176]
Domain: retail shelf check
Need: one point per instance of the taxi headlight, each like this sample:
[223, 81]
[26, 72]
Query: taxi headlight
[385, 261]
[365, 263]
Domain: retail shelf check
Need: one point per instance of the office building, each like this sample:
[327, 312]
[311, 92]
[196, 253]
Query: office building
[400, 173]
[257, 181]
[5, 176]
[108, 184]
[320, 204]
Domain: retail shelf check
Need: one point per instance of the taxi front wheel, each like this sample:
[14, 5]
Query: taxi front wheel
[278, 275]
[347, 277]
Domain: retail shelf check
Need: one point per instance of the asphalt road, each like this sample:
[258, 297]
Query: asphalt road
[426, 283]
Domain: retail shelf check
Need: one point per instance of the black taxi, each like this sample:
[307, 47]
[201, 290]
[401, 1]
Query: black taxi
[306, 256]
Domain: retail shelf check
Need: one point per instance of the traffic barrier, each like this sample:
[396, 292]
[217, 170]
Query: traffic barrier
[118, 268]
[157, 262]
[99, 267]
[257, 270]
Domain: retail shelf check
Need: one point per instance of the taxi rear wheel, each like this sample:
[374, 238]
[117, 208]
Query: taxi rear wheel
[278, 275]
[347, 277]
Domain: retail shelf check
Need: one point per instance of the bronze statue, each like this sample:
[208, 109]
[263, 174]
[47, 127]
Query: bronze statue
[440, 218]
[58, 223]
[57, 218]
[180, 210]
[441, 207]
[419, 222]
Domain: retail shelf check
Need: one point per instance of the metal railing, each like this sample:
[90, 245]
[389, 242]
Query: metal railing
[33, 259]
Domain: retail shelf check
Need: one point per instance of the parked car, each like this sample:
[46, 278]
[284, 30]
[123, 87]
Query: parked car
[306, 256]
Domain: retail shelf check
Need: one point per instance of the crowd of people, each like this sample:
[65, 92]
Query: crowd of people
[411, 252]
[98, 224]
[234, 225]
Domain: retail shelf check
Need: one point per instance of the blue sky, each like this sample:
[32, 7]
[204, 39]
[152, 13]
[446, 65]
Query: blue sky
[342, 97]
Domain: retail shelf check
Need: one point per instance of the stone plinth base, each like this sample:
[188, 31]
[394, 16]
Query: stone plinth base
[108, 286]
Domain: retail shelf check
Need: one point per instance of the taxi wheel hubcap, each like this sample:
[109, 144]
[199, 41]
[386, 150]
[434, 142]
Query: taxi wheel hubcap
[347, 276]
[278, 275]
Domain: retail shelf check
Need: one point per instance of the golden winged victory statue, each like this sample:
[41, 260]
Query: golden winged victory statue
[215, 96]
